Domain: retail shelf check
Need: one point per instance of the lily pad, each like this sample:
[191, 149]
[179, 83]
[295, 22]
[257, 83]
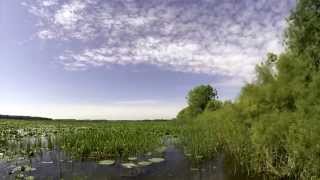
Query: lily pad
[194, 169]
[15, 169]
[144, 163]
[132, 158]
[129, 165]
[29, 168]
[106, 162]
[30, 178]
[47, 162]
[161, 149]
[156, 160]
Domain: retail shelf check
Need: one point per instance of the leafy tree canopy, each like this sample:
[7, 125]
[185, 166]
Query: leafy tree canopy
[199, 96]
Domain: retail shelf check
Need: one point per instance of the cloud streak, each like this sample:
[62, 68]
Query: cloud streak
[199, 36]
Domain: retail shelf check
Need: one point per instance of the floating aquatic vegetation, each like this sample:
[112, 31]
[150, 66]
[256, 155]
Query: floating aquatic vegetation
[15, 169]
[122, 139]
[144, 163]
[132, 158]
[161, 149]
[29, 178]
[106, 162]
[47, 162]
[194, 169]
[128, 165]
[82, 139]
[29, 168]
[156, 160]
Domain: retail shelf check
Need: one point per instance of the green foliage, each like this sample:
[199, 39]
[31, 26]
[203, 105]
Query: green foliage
[199, 96]
[303, 34]
[84, 139]
[273, 127]
[188, 113]
[213, 105]
[114, 141]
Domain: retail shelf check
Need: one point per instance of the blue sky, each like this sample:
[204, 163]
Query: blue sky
[129, 59]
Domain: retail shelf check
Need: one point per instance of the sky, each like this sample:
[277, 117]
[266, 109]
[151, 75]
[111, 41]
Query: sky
[130, 59]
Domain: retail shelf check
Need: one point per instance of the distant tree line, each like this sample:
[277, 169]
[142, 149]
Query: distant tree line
[23, 117]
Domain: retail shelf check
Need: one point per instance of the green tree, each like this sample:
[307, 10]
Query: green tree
[273, 127]
[302, 70]
[199, 97]
[303, 34]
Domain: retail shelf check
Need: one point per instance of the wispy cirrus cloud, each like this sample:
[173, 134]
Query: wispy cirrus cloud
[199, 36]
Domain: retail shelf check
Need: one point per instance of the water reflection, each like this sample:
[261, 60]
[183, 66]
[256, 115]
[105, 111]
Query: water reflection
[56, 165]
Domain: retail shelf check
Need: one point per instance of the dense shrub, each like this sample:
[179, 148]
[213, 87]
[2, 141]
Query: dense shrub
[273, 127]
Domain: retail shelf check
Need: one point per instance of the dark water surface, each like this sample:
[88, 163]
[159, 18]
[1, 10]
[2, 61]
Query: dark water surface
[55, 165]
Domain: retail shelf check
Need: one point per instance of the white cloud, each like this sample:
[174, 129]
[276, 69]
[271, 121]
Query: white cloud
[49, 3]
[69, 14]
[211, 37]
[46, 34]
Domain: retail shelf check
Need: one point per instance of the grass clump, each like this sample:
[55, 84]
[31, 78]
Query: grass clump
[116, 139]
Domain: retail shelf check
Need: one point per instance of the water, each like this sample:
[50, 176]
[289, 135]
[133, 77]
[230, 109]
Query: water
[56, 165]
